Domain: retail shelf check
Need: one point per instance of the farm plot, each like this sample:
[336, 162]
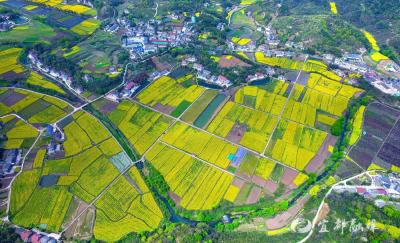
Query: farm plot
[38, 80]
[199, 105]
[168, 96]
[333, 8]
[86, 27]
[243, 28]
[9, 65]
[127, 206]
[239, 124]
[324, 85]
[331, 87]
[59, 4]
[205, 116]
[261, 99]
[390, 150]
[357, 126]
[34, 32]
[18, 134]
[34, 107]
[299, 112]
[294, 144]
[255, 169]
[375, 53]
[240, 19]
[334, 105]
[378, 121]
[205, 146]
[311, 66]
[96, 132]
[48, 213]
[141, 126]
[86, 171]
[197, 185]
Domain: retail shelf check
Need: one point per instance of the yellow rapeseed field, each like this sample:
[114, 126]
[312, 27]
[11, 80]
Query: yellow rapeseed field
[231, 193]
[357, 126]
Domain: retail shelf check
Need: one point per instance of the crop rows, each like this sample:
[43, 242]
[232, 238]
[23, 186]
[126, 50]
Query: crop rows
[198, 186]
[205, 146]
[166, 95]
[258, 125]
[85, 171]
[141, 126]
[295, 144]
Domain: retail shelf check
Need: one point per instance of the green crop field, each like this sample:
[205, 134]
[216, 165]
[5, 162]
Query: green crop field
[86, 171]
[35, 31]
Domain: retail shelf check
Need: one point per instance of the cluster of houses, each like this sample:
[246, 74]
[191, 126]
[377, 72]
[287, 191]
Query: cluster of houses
[6, 24]
[57, 75]
[131, 87]
[352, 62]
[259, 76]
[249, 47]
[381, 185]
[149, 37]
[270, 39]
[8, 160]
[206, 75]
[383, 83]
[54, 148]
[33, 236]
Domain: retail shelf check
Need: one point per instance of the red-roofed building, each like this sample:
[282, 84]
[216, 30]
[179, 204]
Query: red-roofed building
[129, 86]
[223, 81]
[381, 191]
[25, 235]
[35, 238]
[360, 190]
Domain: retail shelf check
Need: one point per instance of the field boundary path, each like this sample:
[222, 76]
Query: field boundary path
[212, 134]
[132, 163]
[21, 170]
[284, 107]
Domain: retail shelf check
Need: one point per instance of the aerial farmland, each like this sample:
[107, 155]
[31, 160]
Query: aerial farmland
[199, 121]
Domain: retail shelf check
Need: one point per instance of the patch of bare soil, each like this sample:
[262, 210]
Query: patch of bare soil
[288, 176]
[238, 182]
[174, 197]
[166, 109]
[317, 163]
[258, 181]
[271, 186]
[231, 61]
[323, 213]
[283, 219]
[254, 195]
[81, 228]
[236, 133]
[108, 107]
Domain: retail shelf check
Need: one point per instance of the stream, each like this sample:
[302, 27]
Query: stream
[175, 218]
